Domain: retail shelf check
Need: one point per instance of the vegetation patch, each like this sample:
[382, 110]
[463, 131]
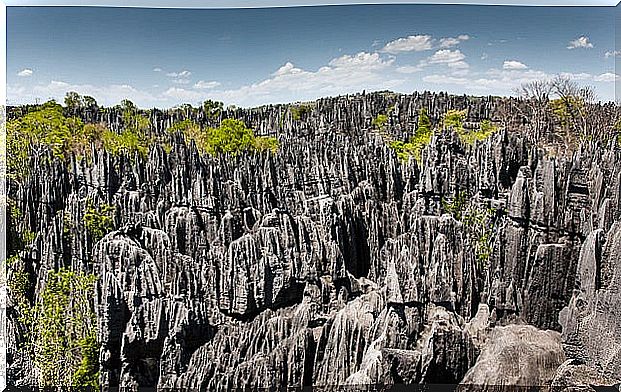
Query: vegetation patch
[231, 137]
[99, 221]
[62, 331]
[485, 130]
[415, 145]
[300, 112]
[479, 225]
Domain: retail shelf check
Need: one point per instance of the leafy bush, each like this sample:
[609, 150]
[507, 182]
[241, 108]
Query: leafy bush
[45, 127]
[99, 221]
[213, 109]
[62, 330]
[454, 119]
[456, 206]
[486, 130]
[380, 121]
[478, 223]
[129, 142]
[300, 112]
[415, 146]
[265, 143]
[231, 137]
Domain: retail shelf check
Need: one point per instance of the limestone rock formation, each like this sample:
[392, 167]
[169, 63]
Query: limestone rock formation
[332, 262]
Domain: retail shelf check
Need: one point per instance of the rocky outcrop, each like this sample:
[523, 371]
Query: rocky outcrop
[333, 263]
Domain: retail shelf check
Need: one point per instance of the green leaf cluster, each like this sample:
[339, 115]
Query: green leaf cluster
[62, 330]
[415, 145]
[46, 127]
[213, 109]
[99, 221]
[486, 130]
[478, 224]
[231, 137]
[454, 119]
[300, 112]
[380, 121]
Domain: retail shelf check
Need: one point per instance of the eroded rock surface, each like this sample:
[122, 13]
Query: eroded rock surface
[332, 262]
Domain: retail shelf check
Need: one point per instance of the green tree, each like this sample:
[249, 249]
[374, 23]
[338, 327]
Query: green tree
[454, 119]
[380, 121]
[213, 109]
[62, 330]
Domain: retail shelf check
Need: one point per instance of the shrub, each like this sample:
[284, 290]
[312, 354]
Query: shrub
[62, 330]
[380, 121]
[415, 146]
[454, 119]
[99, 221]
[479, 225]
[300, 112]
[486, 130]
[129, 142]
[231, 137]
[45, 127]
[265, 143]
[212, 109]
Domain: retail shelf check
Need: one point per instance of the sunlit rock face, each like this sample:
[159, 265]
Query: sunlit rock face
[332, 263]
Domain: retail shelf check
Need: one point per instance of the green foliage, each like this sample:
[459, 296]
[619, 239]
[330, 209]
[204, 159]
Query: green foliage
[380, 121]
[456, 206]
[403, 149]
[99, 221]
[478, 224]
[566, 109]
[75, 102]
[264, 143]
[46, 127]
[87, 373]
[486, 130]
[27, 236]
[19, 280]
[129, 142]
[231, 137]
[415, 145]
[213, 109]
[183, 126]
[300, 112]
[454, 119]
[62, 330]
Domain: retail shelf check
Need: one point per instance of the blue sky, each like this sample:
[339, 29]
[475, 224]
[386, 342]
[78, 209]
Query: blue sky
[248, 57]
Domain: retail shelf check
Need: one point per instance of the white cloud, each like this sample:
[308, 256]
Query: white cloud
[577, 76]
[614, 53]
[607, 77]
[105, 95]
[201, 84]
[494, 80]
[182, 74]
[408, 69]
[180, 94]
[452, 58]
[412, 43]
[362, 61]
[513, 64]
[419, 43]
[157, 69]
[26, 72]
[342, 75]
[449, 42]
[181, 81]
[580, 42]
